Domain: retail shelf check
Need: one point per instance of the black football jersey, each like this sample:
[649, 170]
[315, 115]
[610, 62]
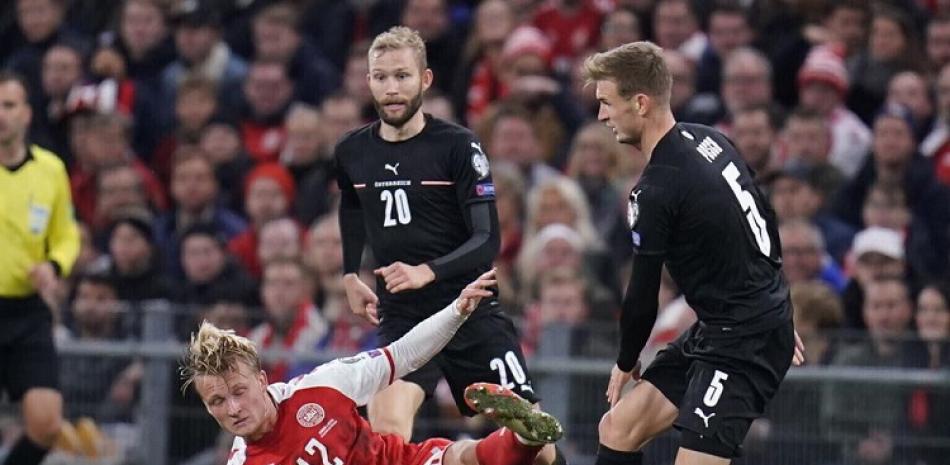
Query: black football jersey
[413, 195]
[698, 207]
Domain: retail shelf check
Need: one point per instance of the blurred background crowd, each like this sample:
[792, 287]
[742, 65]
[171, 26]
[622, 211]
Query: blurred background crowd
[199, 139]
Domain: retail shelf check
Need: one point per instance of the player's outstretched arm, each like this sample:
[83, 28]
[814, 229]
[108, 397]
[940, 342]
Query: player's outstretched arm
[430, 336]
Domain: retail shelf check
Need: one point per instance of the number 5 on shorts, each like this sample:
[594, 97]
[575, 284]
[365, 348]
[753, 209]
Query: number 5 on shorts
[715, 389]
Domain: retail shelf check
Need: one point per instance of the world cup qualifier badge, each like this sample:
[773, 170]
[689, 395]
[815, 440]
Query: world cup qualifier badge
[479, 161]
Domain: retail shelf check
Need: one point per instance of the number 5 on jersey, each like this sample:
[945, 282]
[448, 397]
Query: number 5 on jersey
[401, 201]
[747, 202]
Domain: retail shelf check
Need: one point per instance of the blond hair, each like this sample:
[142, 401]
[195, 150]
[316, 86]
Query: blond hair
[214, 351]
[637, 67]
[397, 38]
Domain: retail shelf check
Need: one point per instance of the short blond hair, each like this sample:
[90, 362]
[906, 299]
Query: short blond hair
[214, 351]
[397, 38]
[637, 67]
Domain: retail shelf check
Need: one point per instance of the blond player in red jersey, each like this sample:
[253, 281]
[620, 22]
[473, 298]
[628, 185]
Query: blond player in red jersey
[313, 419]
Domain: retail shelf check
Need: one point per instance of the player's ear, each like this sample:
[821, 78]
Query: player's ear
[426, 79]
[262, 377]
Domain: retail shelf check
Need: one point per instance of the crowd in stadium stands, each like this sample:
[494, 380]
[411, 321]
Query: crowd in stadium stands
[199, 138]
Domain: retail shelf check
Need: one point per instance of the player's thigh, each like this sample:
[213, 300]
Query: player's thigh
[730, 388]
[30, 359]
[493, 356]
[640, 415]
[692, 457]
[393, 409]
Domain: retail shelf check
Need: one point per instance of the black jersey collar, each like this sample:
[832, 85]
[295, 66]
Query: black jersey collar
[667, 139]
[29, 157]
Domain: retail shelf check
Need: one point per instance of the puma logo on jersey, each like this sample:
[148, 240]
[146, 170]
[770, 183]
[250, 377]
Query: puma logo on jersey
[393, 168]
[699, 412]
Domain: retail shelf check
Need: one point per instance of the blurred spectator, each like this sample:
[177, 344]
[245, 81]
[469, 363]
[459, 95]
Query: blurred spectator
[277, 40]
[564, 297]
[512, 138]
[729, 29]
[620, 26]
[866, 425]
[226, 312]
[103, 142]
[340, 113]
[195, 104]
[40, 24]
[62, 69]
[354, 85]
[796, 192]
[805, 259]
[555, 246]
[928, 406]
[886, 207]
[877, 253]
[938, 43]
[572, 26]
[746, 82]
[202, 52]
[293, 323]
[323, 256]
[818, 316]
[144, 42]
[304, 155]
[823, 82]
[477, 85]
[526, 80]
[118, 187]
[847, 24]
[910, 89]
[593, 164]
[136, 264]
[280, 240]
[755, 133]
[509, 200]
[335, 26]
[194, 190]
[936, 146]
[676, 27]
[268, 92]
[437, 104]
[102, 388]
[807, 140]
[893, 46]
[268, 195]
[210, 273]
[894, 161]
[687, 105]
[221, 142]
[444, 40]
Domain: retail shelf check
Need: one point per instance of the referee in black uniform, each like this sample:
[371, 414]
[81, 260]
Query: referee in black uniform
[697, 210]
[39, 242]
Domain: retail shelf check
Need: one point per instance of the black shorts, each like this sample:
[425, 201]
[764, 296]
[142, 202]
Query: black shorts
[721, 384]
[485, 349]
[27, 354]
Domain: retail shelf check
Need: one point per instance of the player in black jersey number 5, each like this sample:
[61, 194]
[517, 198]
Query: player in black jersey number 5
[419, 191]
[697, 210]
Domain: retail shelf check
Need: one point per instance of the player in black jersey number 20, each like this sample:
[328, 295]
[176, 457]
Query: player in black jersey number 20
[697, 210]
[419, 191]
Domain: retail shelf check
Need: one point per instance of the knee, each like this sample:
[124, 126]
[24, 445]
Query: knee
[43, 416]
[43, 427]
[386, 423]
[618, 434]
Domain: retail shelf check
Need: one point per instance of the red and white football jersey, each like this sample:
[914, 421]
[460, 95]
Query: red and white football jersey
[318, 424]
